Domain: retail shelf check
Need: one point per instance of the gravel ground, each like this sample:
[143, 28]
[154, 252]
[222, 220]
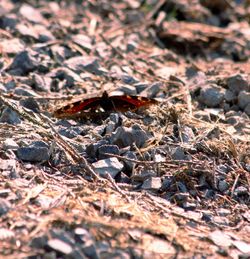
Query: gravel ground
[124, 129]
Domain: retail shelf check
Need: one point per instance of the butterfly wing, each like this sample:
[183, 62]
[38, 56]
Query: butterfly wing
[88, 104]
[128, 102]
[108, 103]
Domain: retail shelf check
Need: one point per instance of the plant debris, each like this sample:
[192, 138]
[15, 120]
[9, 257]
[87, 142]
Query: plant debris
[88, 167]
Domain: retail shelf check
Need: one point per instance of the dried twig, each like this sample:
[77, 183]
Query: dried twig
[153, 162]
[117, 188]
[234, 185]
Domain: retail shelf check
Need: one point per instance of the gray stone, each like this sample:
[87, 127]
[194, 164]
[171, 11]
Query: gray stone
[12, 46]
[211, 96]
[220, 238]
[152, 90]
[82, 233]
[116, 118]
[124, 137]
[5, 206]
[123, 178]
[230, 96]
[65, 74]
[31, 14]
[91, 149]
[237, 83]
[129, 166]
[223, 212]
[71, 132]
[247, 109]
[189, 205]
[36, 152]
[39, 143]
[8, 168]
[223, 186]
[39, 242]
[223, 168]
[89, 249]
[81, 64]
[60, 53]
[24, 92]
[59, 246]
[2, 88]
[181, 187]
[233, 120]
[140, 87]
[110, 166]
[10, 144]
[131, 46]
[110, 149]
[77, 253]
[244, 99]
[37, 32]
[23, 63]
[244, 247]
[31, 104]
[152, 183]
[206, 215]
[110, 128]
[209, 194]
[63, 235]
[144, 175]
[41, 83]
[159, 158]
[166, 184]
[10, 117]
[83, 40]
[187, 134]
[127, 79]
[181, 197]
[127, 89]
[221, 220]
[9, 21]
[241, 190]
[178, 154]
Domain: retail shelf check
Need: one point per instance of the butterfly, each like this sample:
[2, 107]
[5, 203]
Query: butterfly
[104, 103]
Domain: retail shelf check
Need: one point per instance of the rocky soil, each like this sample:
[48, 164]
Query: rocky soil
[170, 180]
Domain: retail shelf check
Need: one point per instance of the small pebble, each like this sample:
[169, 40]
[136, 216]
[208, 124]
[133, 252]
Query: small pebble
[111, 149]
[59, 246]
[10, 144]
[247, 109]
[5, 206]
[124, 137]
[23, 63]
[84, 63]
[237, 83]
[244, 99]
[178, 154]
[129, 166]
[223, 186]
[152, 183]
[91, 149]
[36, 152]
[110, 166]
[211, 96]
[241, 190]
[9, 116]
[31, 104]
[230, 96]
[221, 220]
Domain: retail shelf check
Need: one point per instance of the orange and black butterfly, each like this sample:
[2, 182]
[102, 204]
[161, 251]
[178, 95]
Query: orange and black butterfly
[104, 103]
